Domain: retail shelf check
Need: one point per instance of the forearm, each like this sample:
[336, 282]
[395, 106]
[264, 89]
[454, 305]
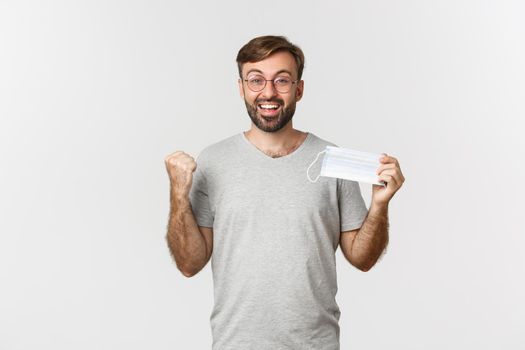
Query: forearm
[185, 241]
[371, 239]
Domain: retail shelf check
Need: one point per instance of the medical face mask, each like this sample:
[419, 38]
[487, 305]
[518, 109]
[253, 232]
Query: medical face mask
[348, 164]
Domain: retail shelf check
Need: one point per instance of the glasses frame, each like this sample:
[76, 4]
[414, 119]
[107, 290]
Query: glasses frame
[273, 82]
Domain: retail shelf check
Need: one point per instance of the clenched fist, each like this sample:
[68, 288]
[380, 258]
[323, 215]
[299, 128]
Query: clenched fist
[180, 167]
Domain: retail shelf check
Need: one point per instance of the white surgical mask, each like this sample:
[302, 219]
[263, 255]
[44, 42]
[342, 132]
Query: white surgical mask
[348, 164]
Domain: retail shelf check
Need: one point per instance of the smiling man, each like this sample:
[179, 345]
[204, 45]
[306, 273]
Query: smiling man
[270, 107]
[272, 235]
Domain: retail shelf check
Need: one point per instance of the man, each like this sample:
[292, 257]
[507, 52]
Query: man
[273, 234]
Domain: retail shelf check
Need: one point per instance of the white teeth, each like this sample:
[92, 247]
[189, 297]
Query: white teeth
[269, 106]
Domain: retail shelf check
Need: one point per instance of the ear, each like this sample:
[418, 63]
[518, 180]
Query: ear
[241, 89]
[299, 91]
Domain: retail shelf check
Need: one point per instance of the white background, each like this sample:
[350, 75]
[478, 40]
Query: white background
[94, 95]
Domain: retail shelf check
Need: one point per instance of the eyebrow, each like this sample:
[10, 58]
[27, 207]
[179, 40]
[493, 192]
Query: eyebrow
[259, 71]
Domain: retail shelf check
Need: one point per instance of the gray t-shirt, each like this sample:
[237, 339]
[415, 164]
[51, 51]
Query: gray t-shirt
[274, 240]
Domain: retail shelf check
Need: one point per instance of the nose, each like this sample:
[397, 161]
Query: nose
[269, 90]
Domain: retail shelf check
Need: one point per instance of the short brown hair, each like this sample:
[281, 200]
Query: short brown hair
[261, 47]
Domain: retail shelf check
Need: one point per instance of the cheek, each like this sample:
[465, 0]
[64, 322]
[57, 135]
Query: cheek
[289, 101]
[250, 97]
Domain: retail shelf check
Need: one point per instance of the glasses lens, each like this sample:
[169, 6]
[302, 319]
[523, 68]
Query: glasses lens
[256, 82]
[282, 84]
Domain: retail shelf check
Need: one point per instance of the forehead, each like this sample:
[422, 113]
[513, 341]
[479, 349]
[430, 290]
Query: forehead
[273, 64]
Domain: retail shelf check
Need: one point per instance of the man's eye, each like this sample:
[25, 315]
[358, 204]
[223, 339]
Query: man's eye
[282, 81]
[256, 81]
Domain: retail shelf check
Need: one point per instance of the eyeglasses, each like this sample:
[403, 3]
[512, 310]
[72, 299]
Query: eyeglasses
[257, 83]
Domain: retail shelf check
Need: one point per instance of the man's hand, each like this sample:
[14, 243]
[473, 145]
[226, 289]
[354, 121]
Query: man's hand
[180, 167]
[389, 172]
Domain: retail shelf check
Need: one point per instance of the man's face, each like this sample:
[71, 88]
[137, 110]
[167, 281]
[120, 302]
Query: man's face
[269, 109]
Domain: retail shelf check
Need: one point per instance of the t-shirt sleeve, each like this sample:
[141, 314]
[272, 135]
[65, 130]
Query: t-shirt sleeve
[352, 207]
[199, 198]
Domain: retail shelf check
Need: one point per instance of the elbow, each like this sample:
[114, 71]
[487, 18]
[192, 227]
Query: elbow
[185, 269]
[188, 272]
[360, 264]
[363, 266]
[365, 263]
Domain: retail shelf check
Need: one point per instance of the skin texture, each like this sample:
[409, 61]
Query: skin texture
[191, 245]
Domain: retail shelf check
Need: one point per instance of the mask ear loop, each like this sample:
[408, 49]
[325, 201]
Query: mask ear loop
[307, 170]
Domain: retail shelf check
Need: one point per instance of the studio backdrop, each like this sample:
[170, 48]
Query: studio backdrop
[95, 94]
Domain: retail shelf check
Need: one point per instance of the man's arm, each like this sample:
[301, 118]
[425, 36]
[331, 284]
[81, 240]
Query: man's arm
[363, 247]
[190, 245]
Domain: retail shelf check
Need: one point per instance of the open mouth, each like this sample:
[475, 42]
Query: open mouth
[269, 109]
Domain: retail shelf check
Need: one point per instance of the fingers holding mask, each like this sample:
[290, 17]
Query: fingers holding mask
[390, 171]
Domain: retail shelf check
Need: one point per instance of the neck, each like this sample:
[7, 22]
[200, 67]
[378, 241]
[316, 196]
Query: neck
[276, 144]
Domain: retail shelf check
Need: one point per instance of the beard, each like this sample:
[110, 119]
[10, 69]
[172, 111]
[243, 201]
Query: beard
[270, 124]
